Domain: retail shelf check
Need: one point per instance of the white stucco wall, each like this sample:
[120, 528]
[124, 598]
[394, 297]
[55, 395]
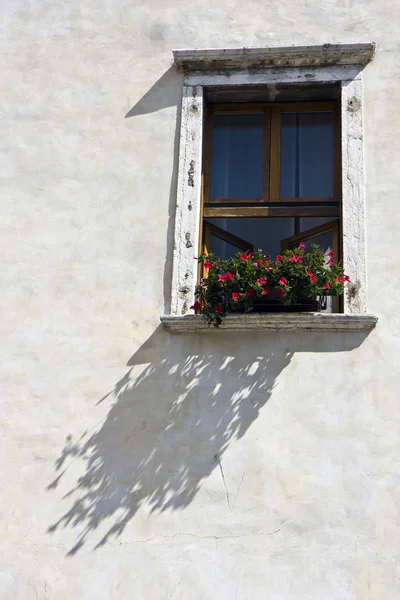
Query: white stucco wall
[139, 464]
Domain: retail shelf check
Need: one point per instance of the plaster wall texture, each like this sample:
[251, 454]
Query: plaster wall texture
[139, 464]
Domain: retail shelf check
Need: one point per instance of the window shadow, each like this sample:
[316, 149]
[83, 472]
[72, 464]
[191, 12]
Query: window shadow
[168, 427]
[165, 93]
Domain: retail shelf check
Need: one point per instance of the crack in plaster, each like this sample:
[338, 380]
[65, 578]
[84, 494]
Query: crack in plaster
[218, 460]
[202, 537]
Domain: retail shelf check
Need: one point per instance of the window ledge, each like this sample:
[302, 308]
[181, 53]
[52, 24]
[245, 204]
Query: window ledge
[288, 56]
[273, 321]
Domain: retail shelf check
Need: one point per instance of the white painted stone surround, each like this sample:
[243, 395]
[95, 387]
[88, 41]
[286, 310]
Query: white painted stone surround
[318, 65]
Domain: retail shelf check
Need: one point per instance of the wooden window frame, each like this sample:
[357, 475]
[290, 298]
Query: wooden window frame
[295, 239]
[209, 229]
[272, 112]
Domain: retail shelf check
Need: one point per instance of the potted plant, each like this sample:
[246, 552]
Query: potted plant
[295, 280]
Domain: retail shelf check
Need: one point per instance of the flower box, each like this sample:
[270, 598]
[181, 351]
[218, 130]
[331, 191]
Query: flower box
[296, 281]
[273, 304]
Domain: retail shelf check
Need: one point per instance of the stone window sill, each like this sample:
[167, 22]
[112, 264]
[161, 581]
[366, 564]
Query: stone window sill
[274, 322]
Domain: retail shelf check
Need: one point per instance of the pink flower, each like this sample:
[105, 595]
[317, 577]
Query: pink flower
[314, 279]
[207, 264]
[265, 291]
[330, 253]
[281, 293]
[196, 306]
[262, 281]
[249, 293]
[218, 308]
[340, 279]
[278, 257]
[294, 258]
[255, 264]
[301, 259]
[310, 274]
[283, 281]
[330, 262]
[302, 245]
[235, 296]
[327, 286]
[227, 277]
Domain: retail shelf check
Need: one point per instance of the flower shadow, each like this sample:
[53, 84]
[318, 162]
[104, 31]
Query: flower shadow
[168, 427]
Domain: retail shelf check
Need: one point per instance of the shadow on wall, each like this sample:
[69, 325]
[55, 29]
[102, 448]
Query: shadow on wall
[165, 93]
[168, 428]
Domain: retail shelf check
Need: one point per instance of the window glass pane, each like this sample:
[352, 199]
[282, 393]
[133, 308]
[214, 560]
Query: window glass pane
[306, 155]
[237, 156]
[323, 239]
[262, 232]
[310, 222]
[222, 248]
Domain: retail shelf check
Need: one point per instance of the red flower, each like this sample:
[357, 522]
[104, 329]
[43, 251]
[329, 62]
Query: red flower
[310, 274]
[314, 279]
[281, 293]
[302, 245]
[330, 253]
[327, 286]
[246, 255]
[267, 256]
[347, 278]
[262, 281]
[294, 258]
[207, 264]
[265, 291]
[249, 293]
[196, 306]
[235, 296]
[261, 263]
[301, 259]
[340, 279]
[218, 308]
[329, 263]
[278, 257]
[283, 281]
[221, 278]
[228, 276]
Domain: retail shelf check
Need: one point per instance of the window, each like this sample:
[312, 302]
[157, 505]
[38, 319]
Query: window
[271, 177]
[272, 170]
[269, 153]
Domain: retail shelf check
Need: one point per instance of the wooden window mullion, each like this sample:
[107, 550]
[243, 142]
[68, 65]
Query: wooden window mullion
[275, 155]
[267, 155]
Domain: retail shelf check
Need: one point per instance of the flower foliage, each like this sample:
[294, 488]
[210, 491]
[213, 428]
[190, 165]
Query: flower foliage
[234, 284]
